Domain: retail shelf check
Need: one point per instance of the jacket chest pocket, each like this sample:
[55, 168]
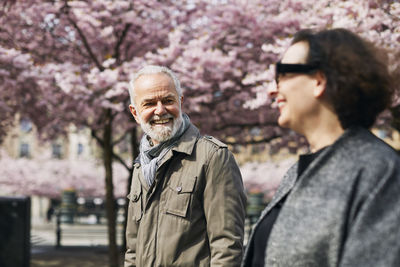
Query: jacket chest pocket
[179, 196]
[135, 197]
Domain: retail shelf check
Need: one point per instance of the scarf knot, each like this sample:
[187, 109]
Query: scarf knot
[150, 156]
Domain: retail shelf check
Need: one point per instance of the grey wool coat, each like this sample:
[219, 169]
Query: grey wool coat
[344, 209]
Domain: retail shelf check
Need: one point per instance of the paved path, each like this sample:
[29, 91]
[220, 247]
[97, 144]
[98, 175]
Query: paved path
[82, 245]
[72, 234]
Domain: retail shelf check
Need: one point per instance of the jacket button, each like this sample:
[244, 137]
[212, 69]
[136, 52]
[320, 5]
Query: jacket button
[179, 189]
[134, 197]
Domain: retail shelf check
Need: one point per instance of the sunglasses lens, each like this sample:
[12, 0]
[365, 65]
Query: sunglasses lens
[282, 68]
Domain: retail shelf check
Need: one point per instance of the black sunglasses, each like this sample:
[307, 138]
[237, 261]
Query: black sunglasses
[282, 68]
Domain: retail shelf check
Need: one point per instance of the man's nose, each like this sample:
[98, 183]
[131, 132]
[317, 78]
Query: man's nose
[160, 109]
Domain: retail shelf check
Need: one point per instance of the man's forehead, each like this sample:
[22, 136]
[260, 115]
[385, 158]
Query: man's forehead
[152, 97]
[154, 86]
[296, 53]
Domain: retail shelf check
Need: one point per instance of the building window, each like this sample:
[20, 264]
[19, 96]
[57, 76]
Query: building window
[80, 149]
[56, 151]
[24, 150]
[25, 125]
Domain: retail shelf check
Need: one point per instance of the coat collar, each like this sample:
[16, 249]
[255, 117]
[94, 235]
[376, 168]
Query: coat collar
[290, 178]
[184, 145]
[187, 141]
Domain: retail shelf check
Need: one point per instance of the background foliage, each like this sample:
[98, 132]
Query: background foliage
[69, 61]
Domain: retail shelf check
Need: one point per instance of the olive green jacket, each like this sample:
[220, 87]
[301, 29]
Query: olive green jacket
[193, 214]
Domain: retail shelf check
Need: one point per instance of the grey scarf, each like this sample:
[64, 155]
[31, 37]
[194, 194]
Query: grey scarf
[151, 156]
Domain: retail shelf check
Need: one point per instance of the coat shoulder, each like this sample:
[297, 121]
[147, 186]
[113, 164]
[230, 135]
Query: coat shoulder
[214, 141]
[207, 146]
[372, 152]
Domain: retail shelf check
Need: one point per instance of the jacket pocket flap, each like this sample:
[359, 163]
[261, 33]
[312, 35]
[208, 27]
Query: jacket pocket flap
[134, 195]
[135, 198]
[186, 185]
[178, 202]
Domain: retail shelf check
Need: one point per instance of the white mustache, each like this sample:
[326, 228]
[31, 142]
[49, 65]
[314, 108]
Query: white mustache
[164, 117]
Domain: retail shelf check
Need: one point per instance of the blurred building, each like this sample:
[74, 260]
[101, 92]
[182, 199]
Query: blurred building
[23, 141]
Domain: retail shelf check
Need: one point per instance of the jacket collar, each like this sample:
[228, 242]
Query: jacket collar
[184, 145]
[188, 140]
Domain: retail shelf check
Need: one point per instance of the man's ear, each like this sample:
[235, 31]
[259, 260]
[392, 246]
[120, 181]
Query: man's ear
[320, 87]
[134, 113]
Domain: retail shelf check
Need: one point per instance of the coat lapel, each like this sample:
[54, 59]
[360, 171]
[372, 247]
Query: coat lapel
[288, 181]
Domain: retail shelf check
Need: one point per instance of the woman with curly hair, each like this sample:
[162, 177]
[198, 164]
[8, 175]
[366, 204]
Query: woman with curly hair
[339, 205]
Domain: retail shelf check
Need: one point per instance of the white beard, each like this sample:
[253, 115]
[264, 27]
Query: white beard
[161, 133]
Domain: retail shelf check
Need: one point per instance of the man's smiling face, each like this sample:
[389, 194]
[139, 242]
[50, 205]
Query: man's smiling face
[157, 106]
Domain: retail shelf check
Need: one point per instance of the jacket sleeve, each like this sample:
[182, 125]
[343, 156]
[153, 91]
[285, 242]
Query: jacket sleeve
[224, 209]
[374, 234]
[131, 233]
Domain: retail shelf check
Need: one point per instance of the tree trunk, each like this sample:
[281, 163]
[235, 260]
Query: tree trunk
[135, 153]
[110, 200]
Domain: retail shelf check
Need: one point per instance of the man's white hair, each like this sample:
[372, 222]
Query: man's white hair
[153, 69]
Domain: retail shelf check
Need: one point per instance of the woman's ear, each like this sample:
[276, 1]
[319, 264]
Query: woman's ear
[320, 87]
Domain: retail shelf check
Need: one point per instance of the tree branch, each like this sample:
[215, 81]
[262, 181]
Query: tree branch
[120, 160]
[83, 37]
[121, 138]
[115, 156]
[95, 136]
[121, 39]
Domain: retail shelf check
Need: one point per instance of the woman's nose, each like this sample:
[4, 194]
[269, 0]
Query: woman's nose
[272, 90]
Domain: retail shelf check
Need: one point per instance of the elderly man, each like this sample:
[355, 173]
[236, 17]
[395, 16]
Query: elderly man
[187, 203]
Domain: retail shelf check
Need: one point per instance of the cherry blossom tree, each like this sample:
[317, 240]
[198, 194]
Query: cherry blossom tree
[47, 177]
[78, 50]
[225, 57]
[12, 63]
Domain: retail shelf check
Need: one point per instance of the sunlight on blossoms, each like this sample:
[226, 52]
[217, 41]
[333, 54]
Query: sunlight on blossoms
[48, 177]
[265, 177]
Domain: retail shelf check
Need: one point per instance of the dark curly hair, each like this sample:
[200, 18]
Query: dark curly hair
[359, 85]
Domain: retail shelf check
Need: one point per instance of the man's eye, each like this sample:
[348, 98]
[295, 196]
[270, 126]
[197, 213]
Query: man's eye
[168, 101]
